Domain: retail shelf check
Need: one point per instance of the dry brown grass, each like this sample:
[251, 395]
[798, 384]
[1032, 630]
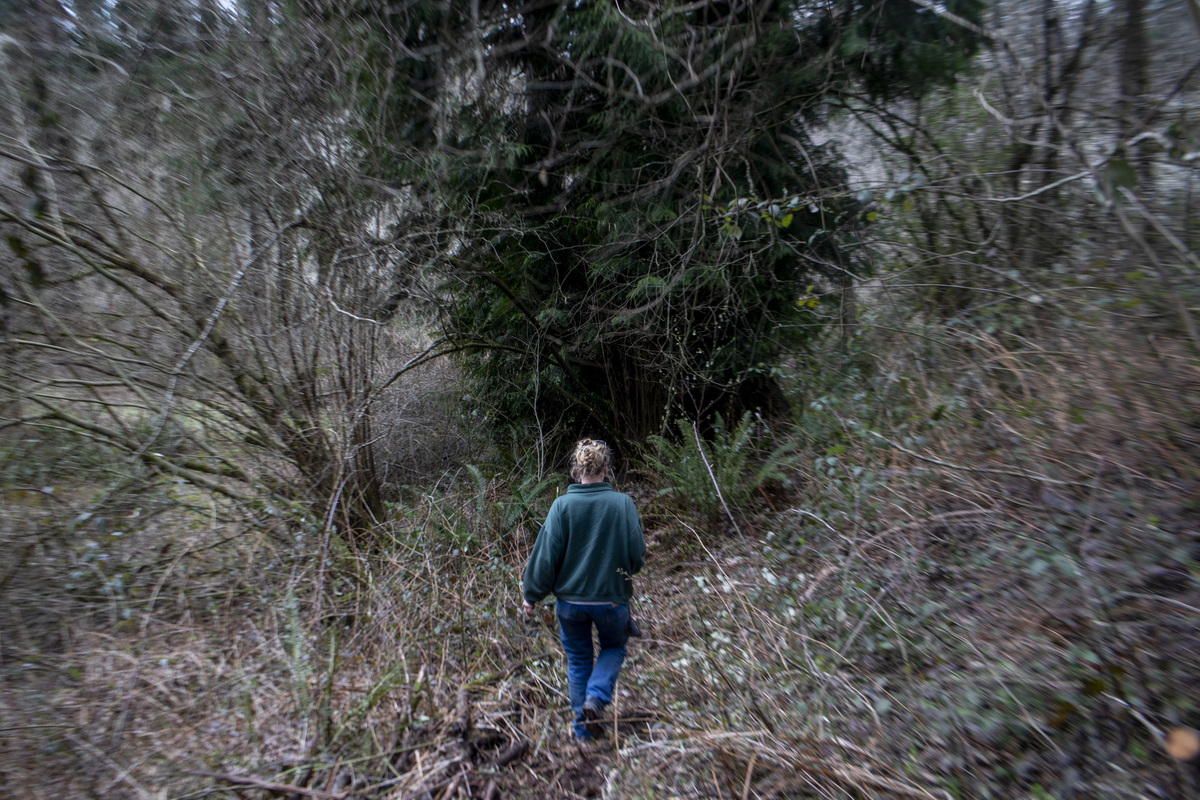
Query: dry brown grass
[923, 621]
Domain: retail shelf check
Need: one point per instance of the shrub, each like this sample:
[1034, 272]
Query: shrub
[734, 459]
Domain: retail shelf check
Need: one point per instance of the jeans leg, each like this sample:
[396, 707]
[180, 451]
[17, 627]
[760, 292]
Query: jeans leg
[576, 629]
[610, 627]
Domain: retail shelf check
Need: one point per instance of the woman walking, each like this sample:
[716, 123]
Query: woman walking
[586, 554]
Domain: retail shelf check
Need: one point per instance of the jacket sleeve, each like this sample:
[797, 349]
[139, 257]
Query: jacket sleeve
[637, 543]
[541, 571]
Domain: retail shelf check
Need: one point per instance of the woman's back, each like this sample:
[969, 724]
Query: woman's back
[590, 546]
[586, 554]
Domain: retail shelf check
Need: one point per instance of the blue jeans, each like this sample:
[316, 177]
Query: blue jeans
[587, 675]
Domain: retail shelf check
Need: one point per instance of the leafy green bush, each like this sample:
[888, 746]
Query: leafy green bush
[733, 459]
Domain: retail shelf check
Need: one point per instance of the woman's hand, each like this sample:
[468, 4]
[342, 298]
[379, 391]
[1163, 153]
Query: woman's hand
[527, 610]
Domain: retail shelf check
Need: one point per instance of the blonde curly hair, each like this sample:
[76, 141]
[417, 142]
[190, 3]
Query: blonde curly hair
[591, 458]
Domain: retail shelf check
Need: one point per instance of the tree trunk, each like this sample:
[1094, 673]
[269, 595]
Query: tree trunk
[1134, 68]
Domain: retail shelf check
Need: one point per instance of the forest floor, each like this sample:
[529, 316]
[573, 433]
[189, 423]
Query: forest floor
[789, 662]
[1014, 617]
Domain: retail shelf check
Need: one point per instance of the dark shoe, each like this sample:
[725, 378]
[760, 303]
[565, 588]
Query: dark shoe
[593, 712]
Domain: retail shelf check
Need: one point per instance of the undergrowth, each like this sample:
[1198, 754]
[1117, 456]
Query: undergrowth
[705, 478]
[983, 585]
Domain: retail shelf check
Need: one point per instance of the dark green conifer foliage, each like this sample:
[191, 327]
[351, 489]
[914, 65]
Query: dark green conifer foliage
[643, 211]
[899, 49]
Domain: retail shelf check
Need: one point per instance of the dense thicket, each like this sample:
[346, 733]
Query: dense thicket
[198, 274]
[616, 215]
[256, 540]
[644, 223]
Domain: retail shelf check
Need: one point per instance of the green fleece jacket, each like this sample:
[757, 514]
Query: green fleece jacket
[589, 548]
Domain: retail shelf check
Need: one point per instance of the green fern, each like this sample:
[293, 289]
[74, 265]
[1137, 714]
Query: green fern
[733, 455]
[498, 511]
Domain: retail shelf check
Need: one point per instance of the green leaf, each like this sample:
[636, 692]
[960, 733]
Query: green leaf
[786, 221]
[648, 286]
[660, 213]
[853, 44]
[1119, 175]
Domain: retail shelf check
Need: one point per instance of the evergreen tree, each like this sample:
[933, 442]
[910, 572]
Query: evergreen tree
[643, 223]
